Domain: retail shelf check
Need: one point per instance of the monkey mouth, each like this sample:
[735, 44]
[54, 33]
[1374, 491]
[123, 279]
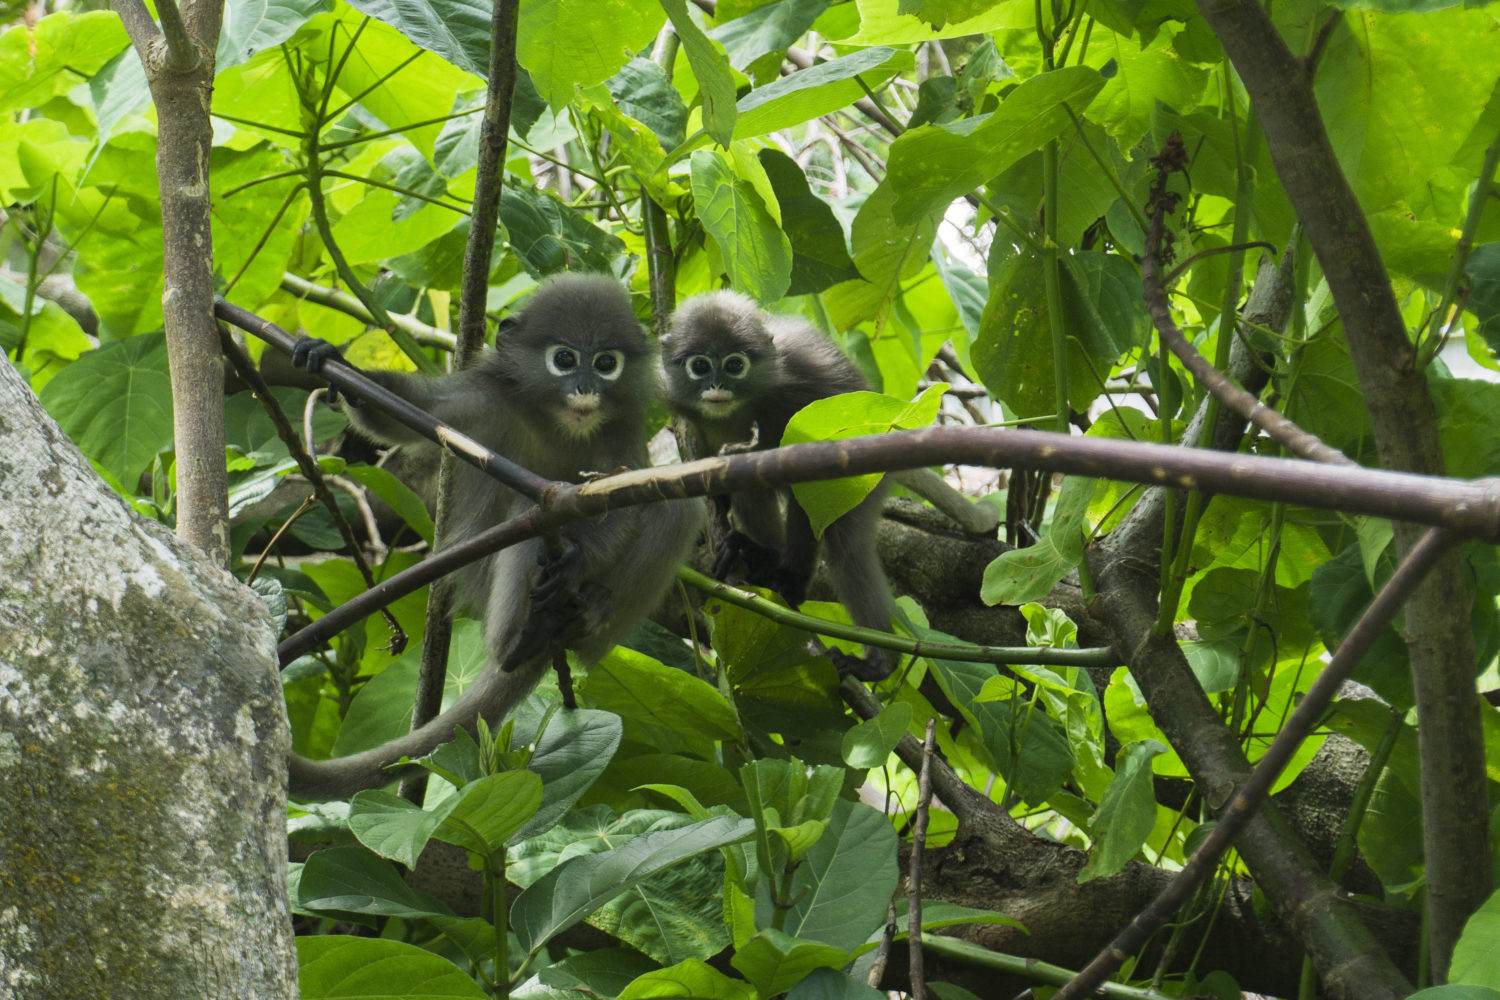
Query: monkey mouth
[717, 402]
[582, 415]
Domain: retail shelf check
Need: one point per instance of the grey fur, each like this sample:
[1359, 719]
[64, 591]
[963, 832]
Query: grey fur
[512, 403]
[790, 364]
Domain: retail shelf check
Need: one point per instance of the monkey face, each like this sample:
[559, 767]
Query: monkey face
[586, 378]
[712, 383]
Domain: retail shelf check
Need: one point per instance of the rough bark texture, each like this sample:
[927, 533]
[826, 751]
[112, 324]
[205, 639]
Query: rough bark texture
[143, 744]
[184, 141]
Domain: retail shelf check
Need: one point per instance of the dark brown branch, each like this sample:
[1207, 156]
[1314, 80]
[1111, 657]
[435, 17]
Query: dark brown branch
[1296, 440]
[1404, 424]
[349, 380]
[310, 471]
[1252, 792]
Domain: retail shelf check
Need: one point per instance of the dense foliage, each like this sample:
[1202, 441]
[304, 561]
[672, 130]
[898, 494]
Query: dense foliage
[956, 190]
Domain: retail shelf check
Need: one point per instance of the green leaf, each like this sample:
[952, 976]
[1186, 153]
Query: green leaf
[1028, 574]
[488, 812]
[604, 972]
[397, 495]
[775, 961]
[550, 236]
[753, 250]
[1475, 959]
[643, 91]
[381, 710]
[393, 827]
[116, 404]
[572, 752]
[1030, 747]
[51, 57]
[831, 984]
[459, 31]
[820, 252]
[842, 888]
[710, 67]
[1400, 103]
[352, 880]
[1483, 270]
[1456, 991]
[823, 88]
[1127, 812]
[692, 978]
[849, 415]
[870, 743]
[579, 886]
[566, 44]
[252, 26]
[334, 967]
[932, 165]
[887, 252]
[660, 706]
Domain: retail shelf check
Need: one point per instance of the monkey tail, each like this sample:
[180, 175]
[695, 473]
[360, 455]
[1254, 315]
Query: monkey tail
[495, 694]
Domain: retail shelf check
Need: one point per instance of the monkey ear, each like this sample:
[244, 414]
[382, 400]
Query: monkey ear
[508, 323]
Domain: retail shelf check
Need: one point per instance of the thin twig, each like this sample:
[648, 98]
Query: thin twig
[918, 976]
[1296, 440]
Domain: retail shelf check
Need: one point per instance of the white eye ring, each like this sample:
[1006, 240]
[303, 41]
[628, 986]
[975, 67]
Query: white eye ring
[699, 366]
[614, 362]
[561, 359]
[728, 365]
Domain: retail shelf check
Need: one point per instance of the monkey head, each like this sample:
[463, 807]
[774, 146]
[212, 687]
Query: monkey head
[719, 355]
[576, 359]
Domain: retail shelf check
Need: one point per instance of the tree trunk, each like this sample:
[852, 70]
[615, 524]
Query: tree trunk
[143, 744]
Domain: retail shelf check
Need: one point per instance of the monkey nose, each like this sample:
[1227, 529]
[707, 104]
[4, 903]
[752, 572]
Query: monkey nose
[714, 394]
[583, 402]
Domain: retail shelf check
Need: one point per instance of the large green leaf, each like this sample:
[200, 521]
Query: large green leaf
[1400, 95]
[1028, 574]
[116, 404]
[571, 753]
[753, 250]
[710, 65]
[566, 44]
[459, 30]
[776, 961]
[932, 165]
[1475, 959]
[1126, 813]
[691, 978]
[757, 40]
[809, 93]
[549, 236]
[251, 26]
[850, 415]
[351, 880]
[578, 887]
[337, 967]
[842, 888]
[887, 252]
[820, 251]
[489, 812]
[660, 706]
[643, 91]
[50, 58]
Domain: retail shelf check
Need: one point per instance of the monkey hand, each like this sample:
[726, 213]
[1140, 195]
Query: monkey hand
[875, 667]
[739, 549]
[790, 583]
[311, 353]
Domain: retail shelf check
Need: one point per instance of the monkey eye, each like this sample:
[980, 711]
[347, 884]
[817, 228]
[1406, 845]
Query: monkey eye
[736, 365]
[561, 360]
[608, 365]
[699, 366]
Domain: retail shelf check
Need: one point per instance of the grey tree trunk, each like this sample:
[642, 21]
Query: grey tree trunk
[143, 745]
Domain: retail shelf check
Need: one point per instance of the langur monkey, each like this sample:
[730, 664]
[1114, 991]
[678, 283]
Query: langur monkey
[736, 375]
[564, 394]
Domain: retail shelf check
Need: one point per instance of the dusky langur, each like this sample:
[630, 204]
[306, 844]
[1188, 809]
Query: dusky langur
[735, 375]
[564, 394]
